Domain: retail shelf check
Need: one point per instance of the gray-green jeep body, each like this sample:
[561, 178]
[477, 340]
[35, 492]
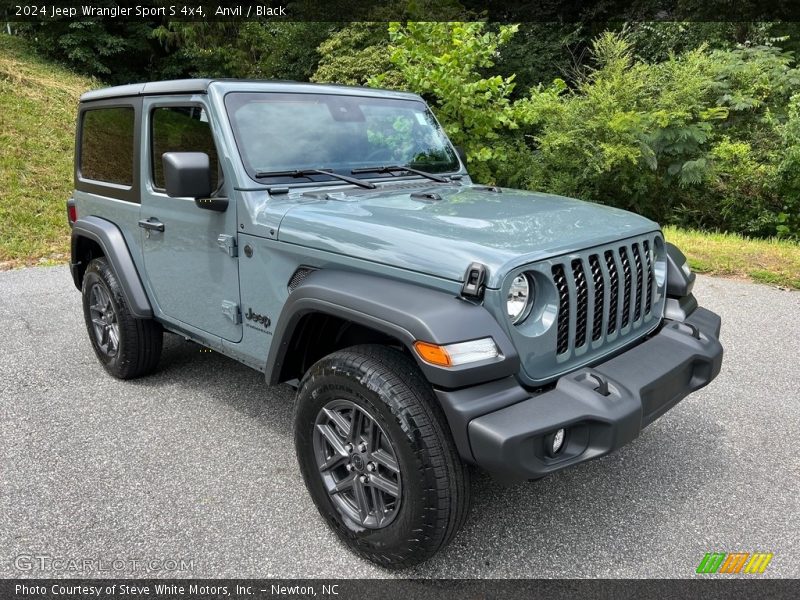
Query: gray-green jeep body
[568, 326]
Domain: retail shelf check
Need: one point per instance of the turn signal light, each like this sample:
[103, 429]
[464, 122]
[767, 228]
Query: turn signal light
[452, 355]
[436, 355]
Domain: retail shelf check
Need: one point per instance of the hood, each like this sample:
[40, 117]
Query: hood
[468, 224]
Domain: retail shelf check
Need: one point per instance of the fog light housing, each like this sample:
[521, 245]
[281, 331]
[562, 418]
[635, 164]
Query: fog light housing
[554, 442]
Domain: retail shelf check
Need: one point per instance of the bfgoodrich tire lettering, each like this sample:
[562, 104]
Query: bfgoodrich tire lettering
[126, 346]
[433, 483]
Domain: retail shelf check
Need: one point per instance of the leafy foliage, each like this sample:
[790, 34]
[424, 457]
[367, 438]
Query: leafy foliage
[354, 54]
[253, 49]
[443, 62]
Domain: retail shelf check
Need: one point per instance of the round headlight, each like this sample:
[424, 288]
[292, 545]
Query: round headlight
[519, 298]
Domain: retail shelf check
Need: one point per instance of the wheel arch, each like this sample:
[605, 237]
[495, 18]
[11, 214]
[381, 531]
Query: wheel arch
[93, 237]
[373, 309]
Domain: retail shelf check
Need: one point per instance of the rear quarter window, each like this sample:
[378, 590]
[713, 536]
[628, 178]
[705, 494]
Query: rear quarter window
[107, 145]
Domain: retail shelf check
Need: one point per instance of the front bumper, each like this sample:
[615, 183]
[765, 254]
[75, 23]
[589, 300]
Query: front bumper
[503, 429]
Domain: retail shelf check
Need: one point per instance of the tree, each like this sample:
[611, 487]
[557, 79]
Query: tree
[444, 63]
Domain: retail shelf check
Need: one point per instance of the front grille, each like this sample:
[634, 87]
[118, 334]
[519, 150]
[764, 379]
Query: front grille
[616, 298]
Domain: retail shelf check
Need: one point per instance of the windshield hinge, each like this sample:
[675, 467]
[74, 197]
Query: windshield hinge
[227, 243]
[474, 281]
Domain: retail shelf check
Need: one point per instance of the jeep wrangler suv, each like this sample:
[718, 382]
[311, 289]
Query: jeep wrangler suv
[332, 238]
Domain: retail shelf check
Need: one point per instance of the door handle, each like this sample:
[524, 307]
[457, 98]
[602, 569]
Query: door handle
[151, 223]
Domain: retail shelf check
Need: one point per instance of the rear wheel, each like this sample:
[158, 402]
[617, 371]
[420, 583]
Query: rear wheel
[126, 346]
[377, 456]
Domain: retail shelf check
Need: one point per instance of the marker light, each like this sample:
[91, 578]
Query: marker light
[453, 355]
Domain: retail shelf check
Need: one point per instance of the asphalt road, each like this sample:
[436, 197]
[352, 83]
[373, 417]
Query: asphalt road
[197, 463]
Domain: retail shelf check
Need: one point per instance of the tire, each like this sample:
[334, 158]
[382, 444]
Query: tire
[127, 347]
[432, 486]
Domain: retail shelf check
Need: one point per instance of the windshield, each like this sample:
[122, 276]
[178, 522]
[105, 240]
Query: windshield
[288, 132]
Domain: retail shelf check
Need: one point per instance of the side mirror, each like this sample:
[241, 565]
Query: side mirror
[461, 154]
[188, 174]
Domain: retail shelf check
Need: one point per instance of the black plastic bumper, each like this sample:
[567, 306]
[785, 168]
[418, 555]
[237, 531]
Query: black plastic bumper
[510, 436]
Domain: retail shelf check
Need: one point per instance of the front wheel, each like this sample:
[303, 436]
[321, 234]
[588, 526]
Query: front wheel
[377, 456]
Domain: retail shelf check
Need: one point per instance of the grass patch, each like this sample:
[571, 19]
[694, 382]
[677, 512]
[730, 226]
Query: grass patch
[775, 262]
[38, 106]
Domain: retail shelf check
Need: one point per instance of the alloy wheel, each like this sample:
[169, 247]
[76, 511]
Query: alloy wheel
[358, 464]
[104, 320]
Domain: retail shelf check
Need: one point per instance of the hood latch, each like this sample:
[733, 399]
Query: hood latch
[474, 281]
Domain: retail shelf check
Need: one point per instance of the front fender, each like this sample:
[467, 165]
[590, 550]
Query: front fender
[404, 311]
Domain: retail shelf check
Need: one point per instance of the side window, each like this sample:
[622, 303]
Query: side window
[107, 145]
[181, 129]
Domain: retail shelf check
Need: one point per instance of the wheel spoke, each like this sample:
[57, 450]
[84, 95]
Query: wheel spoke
[342, 423]
[330, 436]
[383, 458]
[383, 484]
[99, 322]
[361, 500]
[333, 462]
[344, 485]
[378, 504]
[371, 435]
[355, 426]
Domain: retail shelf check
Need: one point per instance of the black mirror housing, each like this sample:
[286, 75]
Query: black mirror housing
[187, 174]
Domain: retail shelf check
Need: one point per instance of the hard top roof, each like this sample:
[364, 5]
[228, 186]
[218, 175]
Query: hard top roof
[200, 86]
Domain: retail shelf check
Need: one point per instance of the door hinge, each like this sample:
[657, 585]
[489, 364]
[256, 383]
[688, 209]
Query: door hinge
[227, 243]
[231, 310]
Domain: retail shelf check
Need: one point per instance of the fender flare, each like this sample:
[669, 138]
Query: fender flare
[110, 239]
[679, 282]
[404, 311]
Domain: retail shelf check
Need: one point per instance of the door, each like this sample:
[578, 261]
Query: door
[189, 253]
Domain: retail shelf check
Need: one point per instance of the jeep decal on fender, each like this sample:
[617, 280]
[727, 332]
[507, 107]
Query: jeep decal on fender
[262, 319]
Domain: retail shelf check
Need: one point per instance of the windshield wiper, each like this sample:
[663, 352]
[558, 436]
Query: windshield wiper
[396, 168]
[306, 172]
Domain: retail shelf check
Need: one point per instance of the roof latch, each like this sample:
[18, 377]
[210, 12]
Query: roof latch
[474, 281]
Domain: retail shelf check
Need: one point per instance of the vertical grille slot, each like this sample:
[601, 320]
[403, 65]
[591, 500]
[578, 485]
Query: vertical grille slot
[599, 296]
[626, 293]
[649, 296]
[582, 300]
[613, 293]
[560, 279]
[637, 259]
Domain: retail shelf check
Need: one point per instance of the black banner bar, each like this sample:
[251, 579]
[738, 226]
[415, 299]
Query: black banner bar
[407, 589]
[393, 10]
